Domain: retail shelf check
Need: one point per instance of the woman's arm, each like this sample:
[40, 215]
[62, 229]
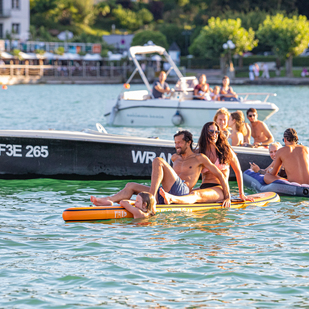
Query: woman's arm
[238, 172]
[137, 214]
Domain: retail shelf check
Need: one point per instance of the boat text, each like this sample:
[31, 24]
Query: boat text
[148, 156]
[17, 151]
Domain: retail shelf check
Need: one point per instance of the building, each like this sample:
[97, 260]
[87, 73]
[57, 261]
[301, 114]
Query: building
[15, 19]
[122, 42]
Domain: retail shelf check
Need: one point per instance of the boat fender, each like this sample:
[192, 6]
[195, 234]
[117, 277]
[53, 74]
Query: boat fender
[177, 119]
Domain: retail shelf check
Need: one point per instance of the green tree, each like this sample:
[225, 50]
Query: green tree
[142, 37]
[209, 43]
[287, 36]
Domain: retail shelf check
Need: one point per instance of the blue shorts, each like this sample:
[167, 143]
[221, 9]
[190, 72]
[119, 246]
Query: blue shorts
[179, 188]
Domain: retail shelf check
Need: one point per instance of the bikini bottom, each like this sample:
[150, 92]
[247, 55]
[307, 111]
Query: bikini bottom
[209, 185]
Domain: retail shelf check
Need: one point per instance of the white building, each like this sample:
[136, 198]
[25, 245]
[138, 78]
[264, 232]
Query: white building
[15, 19]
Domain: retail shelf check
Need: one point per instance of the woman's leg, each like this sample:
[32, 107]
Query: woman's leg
[208, 195]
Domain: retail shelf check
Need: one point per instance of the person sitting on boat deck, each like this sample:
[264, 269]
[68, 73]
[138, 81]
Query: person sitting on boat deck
[294, 158]
[160, 86]
[215, 95]
[178, 180]
[236, 123]
[226, 91]
[202, 84]
[145, 205]
[204, 94]
[259, 130]
[213, 143]
[221, 118]
[273, 148]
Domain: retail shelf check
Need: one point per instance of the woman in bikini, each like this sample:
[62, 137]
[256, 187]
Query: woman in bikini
[236, 123]
[214, 145]
[226, 91]
[222, 118]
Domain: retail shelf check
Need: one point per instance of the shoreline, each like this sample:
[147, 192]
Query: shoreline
[274, 81]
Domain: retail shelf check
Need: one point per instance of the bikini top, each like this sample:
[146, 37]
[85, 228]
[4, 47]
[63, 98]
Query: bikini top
[221, 167]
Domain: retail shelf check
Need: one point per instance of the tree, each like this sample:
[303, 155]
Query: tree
[287, 36]
[209, 43]
[142, 37]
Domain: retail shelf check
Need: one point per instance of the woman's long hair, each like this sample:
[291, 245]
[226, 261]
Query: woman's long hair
[150, 201]
[223, 149]
[239, 117]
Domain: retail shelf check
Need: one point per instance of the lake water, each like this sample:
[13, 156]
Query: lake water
[256, 257]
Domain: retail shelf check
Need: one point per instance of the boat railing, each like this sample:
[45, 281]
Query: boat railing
[266, 94]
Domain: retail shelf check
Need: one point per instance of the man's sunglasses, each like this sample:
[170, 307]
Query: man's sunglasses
[213, 132]
[253, 115]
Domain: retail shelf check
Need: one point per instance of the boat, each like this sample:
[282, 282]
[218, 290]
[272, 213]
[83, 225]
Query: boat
[118, 212]
[139, 108]
[255, 182]
[91, 155]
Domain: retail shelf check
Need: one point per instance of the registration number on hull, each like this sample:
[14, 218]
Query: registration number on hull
[17, 151]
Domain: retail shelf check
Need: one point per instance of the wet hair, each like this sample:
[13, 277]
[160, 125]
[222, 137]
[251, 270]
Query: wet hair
[187, 136]
[290, 135]
[240, 119]
[221, 111]
[149, 199]
[251, 110]
[223, 149]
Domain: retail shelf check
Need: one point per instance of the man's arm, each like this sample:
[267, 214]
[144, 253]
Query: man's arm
[277, 164]
[159, 88]
[214, 170]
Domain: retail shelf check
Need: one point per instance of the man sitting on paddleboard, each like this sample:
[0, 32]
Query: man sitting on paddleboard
[294, 158]
[178, 180]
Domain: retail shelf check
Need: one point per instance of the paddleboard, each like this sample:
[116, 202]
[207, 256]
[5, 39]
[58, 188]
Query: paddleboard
[118, 212]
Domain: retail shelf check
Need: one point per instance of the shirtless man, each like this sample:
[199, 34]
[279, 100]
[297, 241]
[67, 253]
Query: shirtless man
[259, 130]
[178, 180]
[295, 159]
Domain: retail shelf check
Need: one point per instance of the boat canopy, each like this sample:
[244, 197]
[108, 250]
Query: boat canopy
[134, 50]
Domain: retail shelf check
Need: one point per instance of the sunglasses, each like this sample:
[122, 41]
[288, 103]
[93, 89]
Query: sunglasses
[253, 115]
[213, 132]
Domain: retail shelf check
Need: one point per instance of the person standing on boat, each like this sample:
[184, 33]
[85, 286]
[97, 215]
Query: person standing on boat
[201, 89]
[160, 86]
[259, 130]
[178, 180]
[294, 158]
[213, 143]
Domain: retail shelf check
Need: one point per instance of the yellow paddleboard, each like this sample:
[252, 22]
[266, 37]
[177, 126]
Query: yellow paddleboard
[118, 212]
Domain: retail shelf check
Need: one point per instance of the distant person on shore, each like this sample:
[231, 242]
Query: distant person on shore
[215, 95]
[251, 71]
[198, 92]
[304, 72]
[294, 158]
[226, 91]
[221, 118]
[265, 71]
[259, 130]
[177, 180]
[256, 70]
[273, 148]
[236, 123]
[160, 86]
[145, 205]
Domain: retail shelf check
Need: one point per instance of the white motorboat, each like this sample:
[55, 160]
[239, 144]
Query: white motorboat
[139, 108]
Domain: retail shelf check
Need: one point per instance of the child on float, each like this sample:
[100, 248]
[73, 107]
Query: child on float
[145, 205]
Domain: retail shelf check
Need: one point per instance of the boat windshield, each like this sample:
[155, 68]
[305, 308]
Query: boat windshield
[186, 83]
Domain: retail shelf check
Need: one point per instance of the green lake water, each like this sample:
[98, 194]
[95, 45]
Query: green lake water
[257, 257]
